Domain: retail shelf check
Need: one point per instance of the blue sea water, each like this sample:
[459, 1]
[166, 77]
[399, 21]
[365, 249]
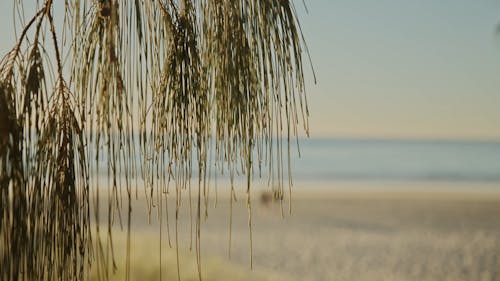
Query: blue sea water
[367, 160]
[397, 160]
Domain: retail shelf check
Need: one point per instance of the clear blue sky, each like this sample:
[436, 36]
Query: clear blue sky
[395, 68]
[404, 69]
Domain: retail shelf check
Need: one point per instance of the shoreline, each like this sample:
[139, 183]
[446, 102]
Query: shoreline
[398, 190]
[349, 190]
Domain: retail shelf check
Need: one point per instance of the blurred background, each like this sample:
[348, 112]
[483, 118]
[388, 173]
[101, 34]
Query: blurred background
[400, 178]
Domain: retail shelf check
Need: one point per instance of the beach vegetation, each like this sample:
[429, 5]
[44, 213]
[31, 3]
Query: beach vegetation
[157, 96]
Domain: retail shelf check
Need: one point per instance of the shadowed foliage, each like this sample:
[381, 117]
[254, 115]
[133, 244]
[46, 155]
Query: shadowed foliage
[148, 93]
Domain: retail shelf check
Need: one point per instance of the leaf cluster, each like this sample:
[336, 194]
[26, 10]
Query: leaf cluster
[152, 92]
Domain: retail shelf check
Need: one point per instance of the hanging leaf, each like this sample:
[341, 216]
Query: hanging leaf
[148, 93]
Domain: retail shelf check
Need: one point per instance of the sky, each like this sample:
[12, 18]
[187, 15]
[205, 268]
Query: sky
[423, 69]
[404, 69]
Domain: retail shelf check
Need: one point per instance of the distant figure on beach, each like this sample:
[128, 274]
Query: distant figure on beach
[269, 197]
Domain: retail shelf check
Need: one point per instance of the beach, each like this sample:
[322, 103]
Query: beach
[335, 234]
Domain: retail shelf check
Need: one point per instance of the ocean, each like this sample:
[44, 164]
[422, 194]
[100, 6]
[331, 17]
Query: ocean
[327, 161]
[397, 160]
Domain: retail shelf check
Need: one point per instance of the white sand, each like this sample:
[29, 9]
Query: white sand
[356, 234]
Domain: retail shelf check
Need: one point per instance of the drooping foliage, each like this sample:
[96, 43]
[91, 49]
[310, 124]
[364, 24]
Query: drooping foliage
[151, 93]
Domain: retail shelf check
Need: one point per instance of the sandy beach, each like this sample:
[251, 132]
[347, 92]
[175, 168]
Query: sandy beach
[343, 234]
